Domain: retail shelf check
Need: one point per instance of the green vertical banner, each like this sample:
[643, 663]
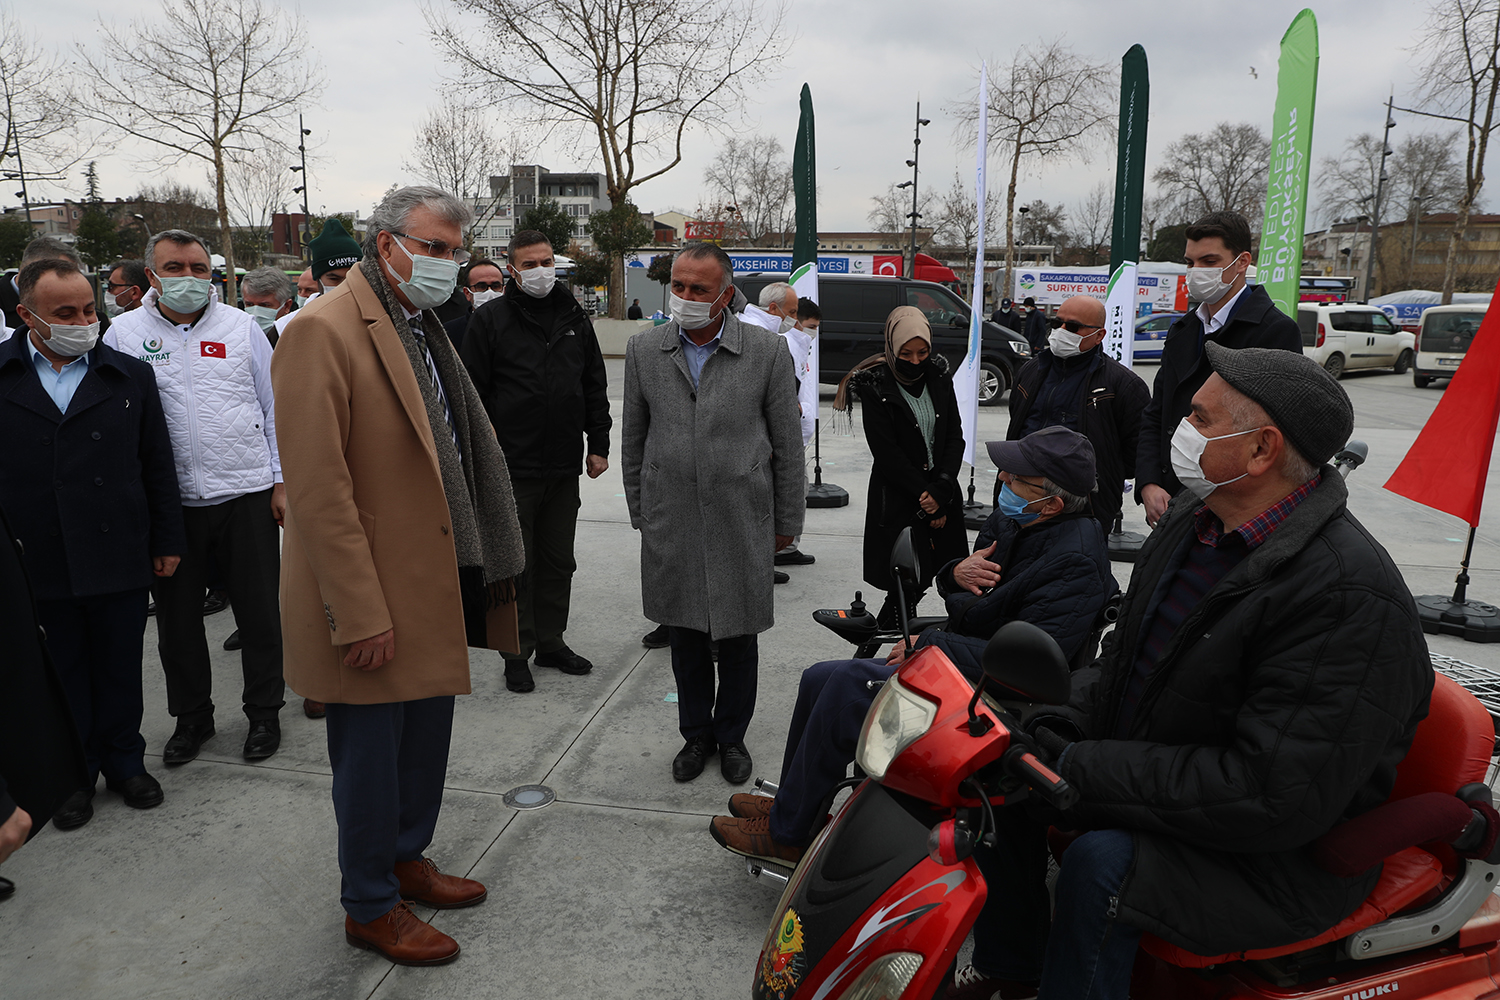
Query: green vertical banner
[805, 190]
[1279, 266]
[1130, 165]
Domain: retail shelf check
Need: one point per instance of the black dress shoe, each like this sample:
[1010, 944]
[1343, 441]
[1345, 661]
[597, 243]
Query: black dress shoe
[139, 792]
[186, 742]
[688, 763]
[658, 638]
[735, 763]
[214, 601]
[565, 660]
[781, 577]
[263, 740]
[7, 888]
[76, 811]
[233, 642]
[518, 677]
[796, 557]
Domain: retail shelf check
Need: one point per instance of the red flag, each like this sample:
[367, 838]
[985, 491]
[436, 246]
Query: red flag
[213, 350]
[1449, 462]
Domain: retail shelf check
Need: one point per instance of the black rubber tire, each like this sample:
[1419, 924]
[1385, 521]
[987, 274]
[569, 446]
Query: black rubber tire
[1421, 381]
[993, 383]
[1334, 365]
[1404, 362]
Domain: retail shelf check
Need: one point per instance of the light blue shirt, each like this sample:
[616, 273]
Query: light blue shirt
[59, 385]
[696, 355]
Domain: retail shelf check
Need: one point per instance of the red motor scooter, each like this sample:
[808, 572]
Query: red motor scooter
[882, 900]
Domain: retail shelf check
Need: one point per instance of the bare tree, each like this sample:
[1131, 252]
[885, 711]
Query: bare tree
[1043, 224]
[207, 80]
[957, 219]
[624, 79]
[1093, 218]
[258, 185]
[1425, 174]
[39, 123]
[1048, 104]
[1222, 169]
[456, 151]
[1347, 181]
[1462, 77]
[754, 176]
[891, 211]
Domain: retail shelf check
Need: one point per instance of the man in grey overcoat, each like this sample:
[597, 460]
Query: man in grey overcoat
[714, 480]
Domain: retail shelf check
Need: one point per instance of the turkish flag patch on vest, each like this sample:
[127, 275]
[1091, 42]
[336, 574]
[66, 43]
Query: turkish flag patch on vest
[213, 350]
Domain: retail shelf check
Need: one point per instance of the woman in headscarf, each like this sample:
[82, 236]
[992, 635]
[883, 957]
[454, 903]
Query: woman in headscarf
[916, 438]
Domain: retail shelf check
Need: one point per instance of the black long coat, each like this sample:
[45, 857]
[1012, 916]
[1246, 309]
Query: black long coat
[901, 472]
[41, 758]
[91, 493]
[1184, 368]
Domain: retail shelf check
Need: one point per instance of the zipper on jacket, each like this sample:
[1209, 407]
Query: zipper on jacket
[192, 410]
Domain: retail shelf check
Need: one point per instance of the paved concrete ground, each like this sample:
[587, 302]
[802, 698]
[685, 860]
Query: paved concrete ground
[230, 889]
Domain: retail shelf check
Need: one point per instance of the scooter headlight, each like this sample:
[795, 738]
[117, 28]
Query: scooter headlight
[887, 977]
[895, 721]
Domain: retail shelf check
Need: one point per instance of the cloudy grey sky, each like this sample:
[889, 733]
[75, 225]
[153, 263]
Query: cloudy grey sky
[867, 62]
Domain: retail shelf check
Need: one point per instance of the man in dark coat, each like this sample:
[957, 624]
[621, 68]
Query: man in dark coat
[1042, 561]
[1034, 326]
[1265, 679]
[1230, 313]
[481, 281]
[1074, 384]
[41, 759]
[535, 360]
[1007, 316]
[89, 477]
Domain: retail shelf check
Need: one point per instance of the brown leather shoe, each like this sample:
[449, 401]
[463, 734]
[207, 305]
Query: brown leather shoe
[421, 882]
[752, 838]
[401, 937]
[744, 805]
[313, 709]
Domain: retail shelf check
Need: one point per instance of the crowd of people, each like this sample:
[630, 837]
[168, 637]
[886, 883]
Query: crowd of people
[390, 448]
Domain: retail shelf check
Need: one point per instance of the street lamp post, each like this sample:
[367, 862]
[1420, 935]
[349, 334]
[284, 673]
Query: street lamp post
[1380, 178]
[1417, 200]
[914, 215]
[302, 134]
[20, 173]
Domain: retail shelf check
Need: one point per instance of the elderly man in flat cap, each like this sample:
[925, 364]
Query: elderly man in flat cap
[1265, 679]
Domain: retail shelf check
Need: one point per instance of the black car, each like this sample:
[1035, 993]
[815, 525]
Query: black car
[853, 328]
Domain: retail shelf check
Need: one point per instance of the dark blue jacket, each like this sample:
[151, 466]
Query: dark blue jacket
[1055, 575]
[92, 494]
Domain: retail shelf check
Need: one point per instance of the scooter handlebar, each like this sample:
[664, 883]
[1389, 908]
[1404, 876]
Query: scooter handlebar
[1022, 763]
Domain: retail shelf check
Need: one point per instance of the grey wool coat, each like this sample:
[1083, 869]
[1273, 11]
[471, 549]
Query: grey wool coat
[712, 476]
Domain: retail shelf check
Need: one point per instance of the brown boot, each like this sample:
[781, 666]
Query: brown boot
[313, 709]
[752, 838]
[401, 937]
[421, 882]
[746, 805]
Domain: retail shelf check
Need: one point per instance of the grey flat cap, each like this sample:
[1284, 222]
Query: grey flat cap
[1307, 404]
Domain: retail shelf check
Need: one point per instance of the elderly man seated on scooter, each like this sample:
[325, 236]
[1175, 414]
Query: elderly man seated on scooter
[1267, 675]
[1040, 558]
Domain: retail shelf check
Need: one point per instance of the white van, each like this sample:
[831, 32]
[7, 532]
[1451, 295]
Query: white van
[1443, 338]
[1345, 337]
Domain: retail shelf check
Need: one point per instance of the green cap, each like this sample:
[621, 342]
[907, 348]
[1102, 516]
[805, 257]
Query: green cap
[332, 248]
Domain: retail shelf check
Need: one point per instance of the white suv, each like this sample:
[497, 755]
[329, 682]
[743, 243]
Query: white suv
[1345, 337]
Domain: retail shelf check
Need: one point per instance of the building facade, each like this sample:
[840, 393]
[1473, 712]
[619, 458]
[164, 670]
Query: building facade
[496, 216]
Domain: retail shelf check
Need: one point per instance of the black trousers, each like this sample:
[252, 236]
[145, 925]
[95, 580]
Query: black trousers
[242, 537]
[548, 512]
[96, 644]
[725, 717]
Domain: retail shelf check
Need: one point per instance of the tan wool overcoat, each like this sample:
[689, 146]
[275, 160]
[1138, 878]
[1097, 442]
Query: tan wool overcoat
[369, 541]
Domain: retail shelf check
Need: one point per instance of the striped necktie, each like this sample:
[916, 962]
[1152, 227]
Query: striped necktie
[437, 382]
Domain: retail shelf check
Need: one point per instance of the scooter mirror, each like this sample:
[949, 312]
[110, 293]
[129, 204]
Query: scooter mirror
[904, 563]
[1029, 662]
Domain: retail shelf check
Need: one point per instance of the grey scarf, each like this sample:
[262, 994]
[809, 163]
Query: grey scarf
[481, 504]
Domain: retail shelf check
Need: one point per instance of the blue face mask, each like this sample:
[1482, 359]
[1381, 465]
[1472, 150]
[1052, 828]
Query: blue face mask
[1014, 506]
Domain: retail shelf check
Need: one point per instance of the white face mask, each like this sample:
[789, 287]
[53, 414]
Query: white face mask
[264, 315]
[1207, 284]
[113, 309]
[534, 281]
[302, 300]
[1187, 451]
[70, 341]
[692, 315]
[1064, 344]
[488, 295]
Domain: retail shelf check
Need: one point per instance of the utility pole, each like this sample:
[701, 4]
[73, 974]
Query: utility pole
[1385, 150]
[914, 215]
[302, 134]
[20, 173]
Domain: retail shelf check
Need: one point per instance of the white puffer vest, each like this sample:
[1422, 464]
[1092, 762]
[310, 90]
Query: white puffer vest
[207, 388]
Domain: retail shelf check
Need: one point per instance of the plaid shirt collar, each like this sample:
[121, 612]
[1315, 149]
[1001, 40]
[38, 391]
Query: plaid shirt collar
[1256, 530]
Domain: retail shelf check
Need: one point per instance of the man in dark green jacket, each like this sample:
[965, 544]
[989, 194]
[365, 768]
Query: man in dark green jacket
[535, 360]
[1267, 676]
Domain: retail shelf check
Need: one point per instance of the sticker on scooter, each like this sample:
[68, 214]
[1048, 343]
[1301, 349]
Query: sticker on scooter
[1373, 991]
[785, 964]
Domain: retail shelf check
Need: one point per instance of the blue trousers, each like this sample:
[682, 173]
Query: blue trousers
[832, 701]
[389, 765]
[96, 643]
[1085, 954]
[722, 716]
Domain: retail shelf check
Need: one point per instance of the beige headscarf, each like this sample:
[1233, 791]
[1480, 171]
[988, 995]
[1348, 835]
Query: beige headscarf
[903, 325]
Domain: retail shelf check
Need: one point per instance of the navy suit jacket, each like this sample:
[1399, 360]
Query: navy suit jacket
[91, 493]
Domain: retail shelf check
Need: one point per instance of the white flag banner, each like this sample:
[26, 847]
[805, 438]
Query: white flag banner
[1119, 312]
[966, 379]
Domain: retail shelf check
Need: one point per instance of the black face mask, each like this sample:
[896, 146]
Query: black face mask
[908, 371]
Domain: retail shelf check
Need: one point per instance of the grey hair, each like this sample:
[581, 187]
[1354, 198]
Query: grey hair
[268, 281]
[776, 293]
[699, 251]
[1072, 502]
[181, 237]
[391, 215]
[1246, 414]
[49, 248]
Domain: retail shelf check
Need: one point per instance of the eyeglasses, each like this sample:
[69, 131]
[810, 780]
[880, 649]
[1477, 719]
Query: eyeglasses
[487, 286]
[1071, 325]
[111, 287]
[1026, 482]
[437, 248]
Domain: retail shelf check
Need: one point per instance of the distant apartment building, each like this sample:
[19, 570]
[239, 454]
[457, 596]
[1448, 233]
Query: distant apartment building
[54, 219]
[1412, 253]
[496, 216]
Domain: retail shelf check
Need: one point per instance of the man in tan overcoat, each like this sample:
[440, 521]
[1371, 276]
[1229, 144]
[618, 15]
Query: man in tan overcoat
[401, 549]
